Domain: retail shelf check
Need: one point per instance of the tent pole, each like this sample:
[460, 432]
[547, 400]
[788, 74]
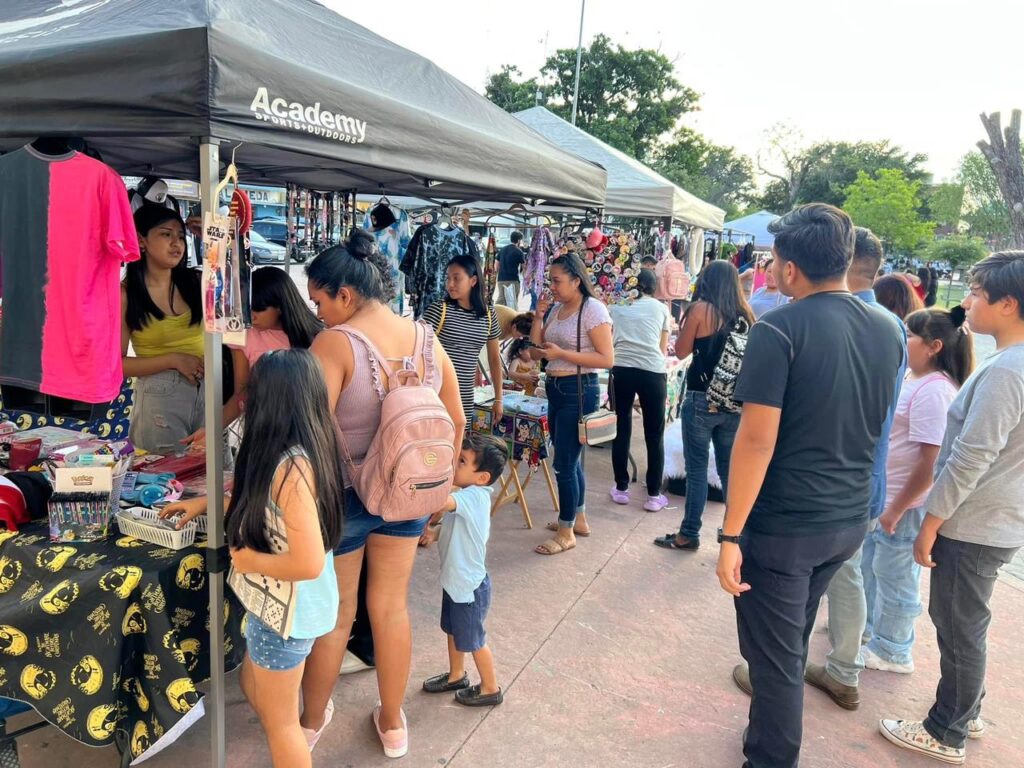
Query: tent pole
[209, 169]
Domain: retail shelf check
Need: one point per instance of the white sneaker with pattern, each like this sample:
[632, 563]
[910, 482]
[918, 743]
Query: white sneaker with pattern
[976, 728]
[912, 735]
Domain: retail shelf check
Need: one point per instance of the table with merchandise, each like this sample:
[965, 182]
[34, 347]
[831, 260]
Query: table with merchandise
[524, 427]
[107, 640]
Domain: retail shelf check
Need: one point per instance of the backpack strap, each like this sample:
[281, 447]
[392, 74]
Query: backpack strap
[444, 315]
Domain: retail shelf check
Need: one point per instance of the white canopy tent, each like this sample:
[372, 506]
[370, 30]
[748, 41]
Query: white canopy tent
[634, 190]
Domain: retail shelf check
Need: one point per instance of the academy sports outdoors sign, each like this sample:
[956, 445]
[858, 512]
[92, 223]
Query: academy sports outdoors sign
[307, 119]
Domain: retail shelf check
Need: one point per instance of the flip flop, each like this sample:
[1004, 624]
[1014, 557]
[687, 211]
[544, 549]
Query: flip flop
[553, 547]
[577, 531]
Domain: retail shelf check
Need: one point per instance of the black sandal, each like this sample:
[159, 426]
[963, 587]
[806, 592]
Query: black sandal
[472, 697]
[440, 684]
[668, 541]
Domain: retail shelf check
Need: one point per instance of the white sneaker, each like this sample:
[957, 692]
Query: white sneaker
[912, 735]
[873, 661]
[353, 663]
[976, 728]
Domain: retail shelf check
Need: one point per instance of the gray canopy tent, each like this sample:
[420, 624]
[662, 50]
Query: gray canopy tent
[299, 94]
[634, 190]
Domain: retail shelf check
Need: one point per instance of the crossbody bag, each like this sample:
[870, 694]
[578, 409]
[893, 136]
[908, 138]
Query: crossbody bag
[598, 427]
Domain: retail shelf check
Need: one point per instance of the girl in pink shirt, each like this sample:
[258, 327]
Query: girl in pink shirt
[280, 320]
[940, 355]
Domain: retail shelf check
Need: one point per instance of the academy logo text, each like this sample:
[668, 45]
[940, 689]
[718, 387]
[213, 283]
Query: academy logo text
[311, 119]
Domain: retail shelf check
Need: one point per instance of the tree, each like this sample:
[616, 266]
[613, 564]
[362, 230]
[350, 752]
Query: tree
[889, 205]
[959, 251]
[984, 211]
[822, 172]
[628, 99]
[509, 93]
[945, 204]
[1003, 152]
[712, 172]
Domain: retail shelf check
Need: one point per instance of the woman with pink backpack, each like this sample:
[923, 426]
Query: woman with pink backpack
[395, 398]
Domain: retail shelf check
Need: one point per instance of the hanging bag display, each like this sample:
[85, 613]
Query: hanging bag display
[598, 427]
[723, 379]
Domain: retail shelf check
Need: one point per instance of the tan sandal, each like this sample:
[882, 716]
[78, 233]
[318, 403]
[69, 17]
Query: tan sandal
[577, 531]
[553, 547]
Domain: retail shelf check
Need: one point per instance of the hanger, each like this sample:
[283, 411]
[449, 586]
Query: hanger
[444, 217]
[383, 198]
[230, 176]
[514, 208]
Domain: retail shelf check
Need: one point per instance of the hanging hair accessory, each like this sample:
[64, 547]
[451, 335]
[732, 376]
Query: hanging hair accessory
[958, 315]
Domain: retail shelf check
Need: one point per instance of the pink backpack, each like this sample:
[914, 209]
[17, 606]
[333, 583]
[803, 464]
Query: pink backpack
[407, 472]
[673, 282]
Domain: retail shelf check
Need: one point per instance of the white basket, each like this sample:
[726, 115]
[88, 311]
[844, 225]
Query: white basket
[133, 522]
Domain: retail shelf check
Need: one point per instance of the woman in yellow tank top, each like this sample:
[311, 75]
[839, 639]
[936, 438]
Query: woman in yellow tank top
[163, 321]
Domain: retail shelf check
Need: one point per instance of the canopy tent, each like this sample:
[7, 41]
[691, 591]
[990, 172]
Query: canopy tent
[756, 225]
[317, 100]
[314, 100]
[634, 190]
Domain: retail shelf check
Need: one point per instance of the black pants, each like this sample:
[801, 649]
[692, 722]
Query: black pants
[361, 640]
[652, 389]
[961, 587]
[787, 577]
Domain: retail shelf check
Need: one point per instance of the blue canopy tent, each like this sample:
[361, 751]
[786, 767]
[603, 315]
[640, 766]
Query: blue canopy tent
[754, 225]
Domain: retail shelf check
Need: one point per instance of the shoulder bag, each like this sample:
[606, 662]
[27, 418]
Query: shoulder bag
[599, 427]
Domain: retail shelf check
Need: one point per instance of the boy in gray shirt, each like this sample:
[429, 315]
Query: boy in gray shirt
[975, 520]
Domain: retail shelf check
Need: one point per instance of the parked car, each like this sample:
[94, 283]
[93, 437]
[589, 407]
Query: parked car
[275, 230]
[264, 251]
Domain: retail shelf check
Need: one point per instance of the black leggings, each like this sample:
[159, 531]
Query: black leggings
[652, 388]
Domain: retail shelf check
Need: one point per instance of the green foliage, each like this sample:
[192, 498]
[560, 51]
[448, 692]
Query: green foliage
[984, 210]
[712, 172]
[509, 92]
[959, 250]
[628, 99]
[888, 204]
[945, 204]
[822, 172]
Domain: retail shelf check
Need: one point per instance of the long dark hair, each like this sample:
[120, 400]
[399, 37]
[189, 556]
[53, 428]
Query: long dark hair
[141, 307]
[517, 346]
[286, 408]
[895, 293]
[647, 282]
[272, 287]
[470, 264]
[355, 264]
[956, 358]
[719, 287]
[573, 266]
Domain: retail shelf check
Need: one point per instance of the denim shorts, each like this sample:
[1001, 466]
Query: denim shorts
[465, 621]
[360, 523]
[268, 650]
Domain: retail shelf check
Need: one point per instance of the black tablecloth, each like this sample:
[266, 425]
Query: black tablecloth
[107, 636]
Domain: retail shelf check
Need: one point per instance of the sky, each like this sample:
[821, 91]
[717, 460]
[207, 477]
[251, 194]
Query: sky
[918, 73]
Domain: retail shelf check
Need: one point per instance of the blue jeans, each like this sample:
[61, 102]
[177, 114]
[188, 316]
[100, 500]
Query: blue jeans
[701, 428]
[847, 615]
[563, 422]
[897, 597]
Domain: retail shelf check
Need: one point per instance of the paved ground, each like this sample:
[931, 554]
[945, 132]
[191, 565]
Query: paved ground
[616, 653]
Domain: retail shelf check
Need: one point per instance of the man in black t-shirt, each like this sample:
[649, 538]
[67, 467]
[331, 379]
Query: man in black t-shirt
[817, 380]
[510, 264]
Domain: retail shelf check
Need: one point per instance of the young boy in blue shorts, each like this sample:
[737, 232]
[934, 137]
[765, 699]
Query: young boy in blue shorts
[464, 526]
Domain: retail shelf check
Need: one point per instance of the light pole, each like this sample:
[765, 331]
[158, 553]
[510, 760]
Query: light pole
[579, 58]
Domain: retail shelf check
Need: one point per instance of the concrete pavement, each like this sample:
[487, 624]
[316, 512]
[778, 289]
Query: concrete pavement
[615, 653]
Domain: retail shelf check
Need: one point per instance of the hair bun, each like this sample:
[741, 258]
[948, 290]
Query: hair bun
[958, 315]
[361, 244]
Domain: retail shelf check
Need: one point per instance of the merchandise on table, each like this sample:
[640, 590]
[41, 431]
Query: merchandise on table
[65, 232]
[108, 636]
[524, 426]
